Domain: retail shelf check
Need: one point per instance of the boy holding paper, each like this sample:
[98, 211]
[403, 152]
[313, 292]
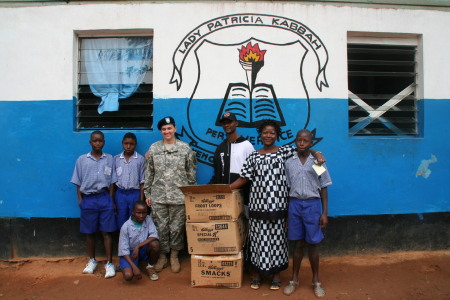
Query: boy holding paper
[308, 208]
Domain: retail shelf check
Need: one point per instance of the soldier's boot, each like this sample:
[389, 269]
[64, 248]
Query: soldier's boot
[161, 263]
[174, 263]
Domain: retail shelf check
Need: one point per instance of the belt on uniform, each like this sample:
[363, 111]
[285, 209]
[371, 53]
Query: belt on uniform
[99, 192]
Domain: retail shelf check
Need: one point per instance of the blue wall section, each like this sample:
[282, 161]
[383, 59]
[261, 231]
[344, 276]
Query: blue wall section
[370, 175]
[378, 175]
[39, 152]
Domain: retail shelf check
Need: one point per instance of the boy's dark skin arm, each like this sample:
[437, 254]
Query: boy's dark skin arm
[141, 196]
[134, 268]
[241, 181]
[324, 199]
[318, 156]
[79, 195]
[134, 255]
[112, 190]
[112, 193]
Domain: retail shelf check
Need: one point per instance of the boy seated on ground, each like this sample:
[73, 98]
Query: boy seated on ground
[138, 242]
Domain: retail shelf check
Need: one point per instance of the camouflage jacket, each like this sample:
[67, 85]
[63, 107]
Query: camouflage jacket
[167, 169]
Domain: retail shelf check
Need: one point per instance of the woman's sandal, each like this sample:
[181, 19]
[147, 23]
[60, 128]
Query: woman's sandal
[255, 284]
[318, 290]
[275, 285]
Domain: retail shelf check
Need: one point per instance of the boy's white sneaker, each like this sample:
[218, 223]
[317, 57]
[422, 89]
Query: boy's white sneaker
[152, 273]
[90, 266]
[110, 270]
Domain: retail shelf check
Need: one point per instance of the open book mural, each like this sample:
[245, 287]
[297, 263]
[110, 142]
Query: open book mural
[252, 102]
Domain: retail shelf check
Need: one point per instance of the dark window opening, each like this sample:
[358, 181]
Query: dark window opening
[382, 90]
[135, 112]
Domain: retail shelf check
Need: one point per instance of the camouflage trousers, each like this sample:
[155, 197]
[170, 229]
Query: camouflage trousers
[170, 222]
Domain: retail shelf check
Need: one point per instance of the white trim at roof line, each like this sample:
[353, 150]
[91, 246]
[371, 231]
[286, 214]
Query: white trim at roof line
[407, 39]
[114, 32]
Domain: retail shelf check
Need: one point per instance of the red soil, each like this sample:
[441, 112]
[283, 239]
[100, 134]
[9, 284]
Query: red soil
[402, 275]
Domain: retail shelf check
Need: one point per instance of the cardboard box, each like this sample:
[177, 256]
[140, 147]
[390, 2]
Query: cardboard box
[215, 238]
[212, 203]
[217, 271]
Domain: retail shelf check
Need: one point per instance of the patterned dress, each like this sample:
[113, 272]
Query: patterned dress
[268, 210]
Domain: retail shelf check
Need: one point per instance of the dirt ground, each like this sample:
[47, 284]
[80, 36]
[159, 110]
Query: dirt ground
[401, 275]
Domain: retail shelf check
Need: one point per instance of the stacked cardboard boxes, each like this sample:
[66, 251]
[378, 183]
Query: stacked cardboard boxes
[215, 234]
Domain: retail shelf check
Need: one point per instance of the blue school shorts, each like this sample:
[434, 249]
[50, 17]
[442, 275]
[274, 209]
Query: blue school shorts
[97, 213]
[304, 220]
[125, 200]
[142, 256]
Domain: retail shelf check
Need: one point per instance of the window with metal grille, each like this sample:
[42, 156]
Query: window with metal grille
[134, 112]
[382, 89]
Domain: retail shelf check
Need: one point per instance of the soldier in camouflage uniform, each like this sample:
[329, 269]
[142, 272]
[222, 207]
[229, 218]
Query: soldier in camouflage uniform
[170, 164]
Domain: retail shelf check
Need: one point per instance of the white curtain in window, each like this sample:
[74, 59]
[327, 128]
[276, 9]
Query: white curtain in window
[116, 67]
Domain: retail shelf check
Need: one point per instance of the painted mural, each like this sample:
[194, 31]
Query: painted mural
[251, 76]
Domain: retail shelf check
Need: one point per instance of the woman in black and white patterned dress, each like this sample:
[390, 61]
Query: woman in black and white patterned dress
[267, 206]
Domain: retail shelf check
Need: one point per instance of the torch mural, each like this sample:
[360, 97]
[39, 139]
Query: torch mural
[251, 60]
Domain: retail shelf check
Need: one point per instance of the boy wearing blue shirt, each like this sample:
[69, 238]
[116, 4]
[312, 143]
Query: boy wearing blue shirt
[93, 177]
[128, 175]
[138, 241]
[308, 209]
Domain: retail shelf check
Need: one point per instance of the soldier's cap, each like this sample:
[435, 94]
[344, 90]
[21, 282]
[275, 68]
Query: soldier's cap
[165, 121]
[228, 116]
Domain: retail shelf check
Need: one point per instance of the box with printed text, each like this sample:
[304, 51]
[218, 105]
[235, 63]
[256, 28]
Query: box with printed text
[216, 238]
[212, 203]
[217, 271]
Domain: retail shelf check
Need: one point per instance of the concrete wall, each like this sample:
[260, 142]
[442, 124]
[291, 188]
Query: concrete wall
[306, 51]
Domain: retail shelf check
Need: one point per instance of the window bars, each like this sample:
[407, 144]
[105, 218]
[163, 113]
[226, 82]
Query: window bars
[382, 90]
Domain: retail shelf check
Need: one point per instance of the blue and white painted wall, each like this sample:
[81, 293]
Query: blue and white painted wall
[198, 62]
